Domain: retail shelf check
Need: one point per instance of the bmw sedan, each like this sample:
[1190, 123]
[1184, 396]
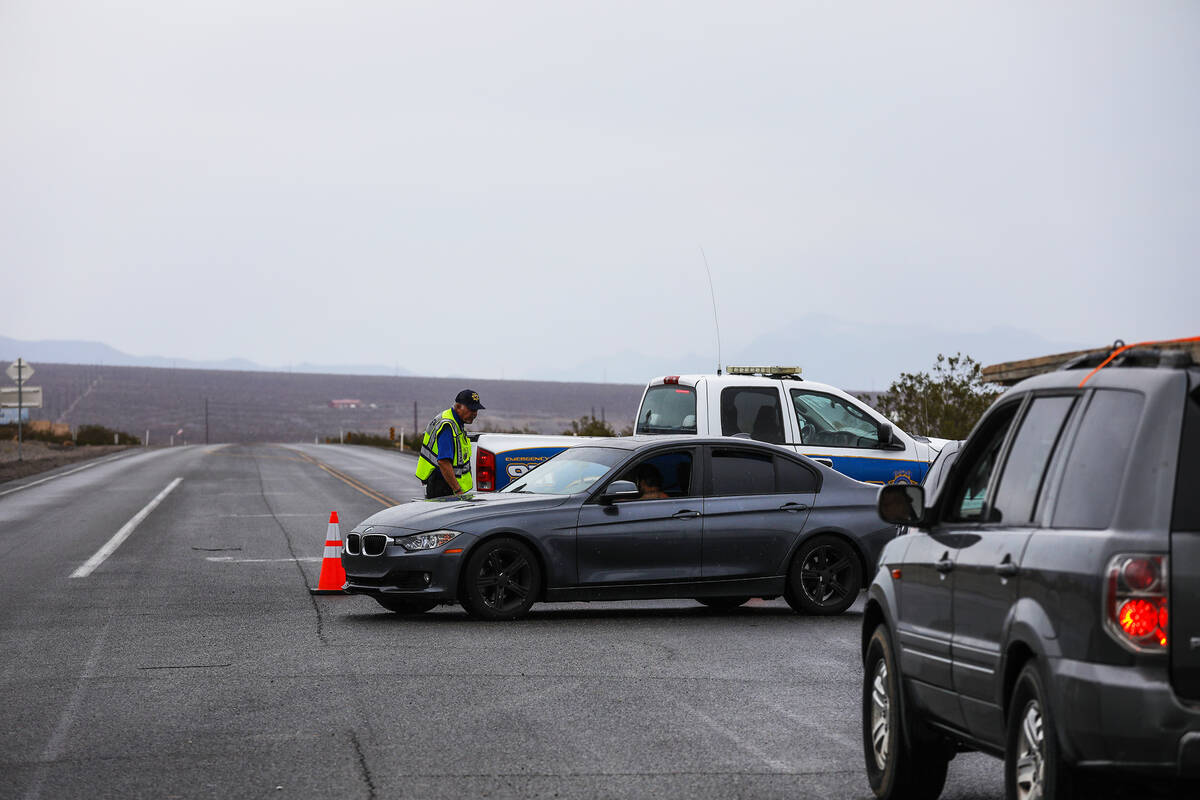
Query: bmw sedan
[720, 520]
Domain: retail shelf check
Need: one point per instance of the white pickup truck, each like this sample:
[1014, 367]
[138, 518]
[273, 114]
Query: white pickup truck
[771, 404]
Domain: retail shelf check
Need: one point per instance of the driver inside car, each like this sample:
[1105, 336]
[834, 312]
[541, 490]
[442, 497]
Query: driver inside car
[649, 483]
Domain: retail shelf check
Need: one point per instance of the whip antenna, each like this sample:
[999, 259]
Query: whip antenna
[713, 293]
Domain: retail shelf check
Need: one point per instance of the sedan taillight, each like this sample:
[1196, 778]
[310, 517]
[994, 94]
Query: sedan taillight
[1135, 602]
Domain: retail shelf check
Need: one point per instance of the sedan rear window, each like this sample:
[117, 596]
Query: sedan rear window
[669, 408]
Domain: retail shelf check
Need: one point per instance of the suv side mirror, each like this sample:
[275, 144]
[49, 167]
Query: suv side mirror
[619, 490]
[887, 438]
[902, 504]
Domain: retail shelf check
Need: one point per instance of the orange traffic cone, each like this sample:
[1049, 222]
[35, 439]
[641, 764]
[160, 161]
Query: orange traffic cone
[333, 577]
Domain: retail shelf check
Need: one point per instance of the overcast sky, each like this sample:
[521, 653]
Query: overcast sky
[502, 189]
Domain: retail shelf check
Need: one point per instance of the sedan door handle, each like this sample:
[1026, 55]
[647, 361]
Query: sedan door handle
[945, 565]
[826, 461]
[794, 507]
[1006, 568]
[685, 514]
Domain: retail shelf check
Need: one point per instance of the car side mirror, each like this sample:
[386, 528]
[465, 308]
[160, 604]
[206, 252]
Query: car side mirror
[902, 504]
[887, 438]
[619, 490]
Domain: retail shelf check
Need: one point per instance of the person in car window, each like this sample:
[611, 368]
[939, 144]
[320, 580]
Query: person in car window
[649, 483]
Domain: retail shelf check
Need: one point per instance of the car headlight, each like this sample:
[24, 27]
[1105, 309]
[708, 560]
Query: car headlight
[425, 541]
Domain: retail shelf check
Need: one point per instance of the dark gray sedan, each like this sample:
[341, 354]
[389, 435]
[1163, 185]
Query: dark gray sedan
[718, 520]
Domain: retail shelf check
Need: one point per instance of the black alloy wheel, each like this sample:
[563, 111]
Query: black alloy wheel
[825, 577]
[898, 765]
[1033, 767]
[722, 603]
[501, 580]
[405, 606]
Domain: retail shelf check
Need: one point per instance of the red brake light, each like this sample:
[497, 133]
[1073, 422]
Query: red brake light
[1138, 618]
[1135, 602]
[485, 466]
[671, 379]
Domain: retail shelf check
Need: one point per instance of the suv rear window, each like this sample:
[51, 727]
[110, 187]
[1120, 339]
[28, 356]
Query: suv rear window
[1092, 479]
[668, 409]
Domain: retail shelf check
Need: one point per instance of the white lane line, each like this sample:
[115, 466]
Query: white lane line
[120, 536]
[233, 560]
[55, 746]
[321, 514]
[740, 741]
[88, 465]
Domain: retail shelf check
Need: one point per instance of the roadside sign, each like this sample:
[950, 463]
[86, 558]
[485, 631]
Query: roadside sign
[31, 397]
[20, 370]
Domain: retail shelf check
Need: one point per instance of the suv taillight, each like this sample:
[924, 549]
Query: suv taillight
[485, 468]
[1135, 602]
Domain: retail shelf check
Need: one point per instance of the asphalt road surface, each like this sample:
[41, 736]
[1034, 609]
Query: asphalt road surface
[190, 660]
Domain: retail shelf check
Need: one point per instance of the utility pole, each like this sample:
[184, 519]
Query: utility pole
[20, 401]
[206, 420]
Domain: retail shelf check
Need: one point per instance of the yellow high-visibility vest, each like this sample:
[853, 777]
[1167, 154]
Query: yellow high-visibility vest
[461, 458]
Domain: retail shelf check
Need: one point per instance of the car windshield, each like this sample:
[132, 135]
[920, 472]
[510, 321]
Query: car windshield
[669, 408]
[572, 471]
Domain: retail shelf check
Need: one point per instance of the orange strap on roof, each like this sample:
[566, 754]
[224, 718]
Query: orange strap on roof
[1120, 350]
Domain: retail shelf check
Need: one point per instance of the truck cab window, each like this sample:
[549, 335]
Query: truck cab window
[669, 408]
[825, 419]
[752, 410]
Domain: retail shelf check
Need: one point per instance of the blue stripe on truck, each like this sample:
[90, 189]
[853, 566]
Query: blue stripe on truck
[875, 469]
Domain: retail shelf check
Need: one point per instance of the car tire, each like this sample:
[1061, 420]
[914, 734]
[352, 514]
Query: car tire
[722, 603]
[501, 580]
[402, 605]
[899, 764]
[825, 576]
[1033, 764]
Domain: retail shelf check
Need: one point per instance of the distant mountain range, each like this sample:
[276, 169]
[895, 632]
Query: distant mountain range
[857, 356]
[76, 352]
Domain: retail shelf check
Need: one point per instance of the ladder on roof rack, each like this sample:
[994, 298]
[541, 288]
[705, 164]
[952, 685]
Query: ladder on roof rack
[1010, 372]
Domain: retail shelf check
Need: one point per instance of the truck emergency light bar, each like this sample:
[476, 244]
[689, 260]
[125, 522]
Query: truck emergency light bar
[763, 370]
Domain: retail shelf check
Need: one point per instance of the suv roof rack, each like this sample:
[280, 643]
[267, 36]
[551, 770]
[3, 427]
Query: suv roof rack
[1171, 353]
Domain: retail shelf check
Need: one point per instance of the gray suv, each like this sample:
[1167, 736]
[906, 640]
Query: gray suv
[1044, 606]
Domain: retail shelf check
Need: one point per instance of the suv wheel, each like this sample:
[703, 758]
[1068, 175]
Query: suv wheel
[501, 579]
[825, 576]
[898, 765]
[403, 606]
[1033, 766]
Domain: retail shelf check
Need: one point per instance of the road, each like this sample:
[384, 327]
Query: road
[191, 662]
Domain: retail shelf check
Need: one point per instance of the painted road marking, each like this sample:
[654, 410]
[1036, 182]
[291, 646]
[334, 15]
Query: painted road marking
[234, 560]
[88, 465]
[120, 536]
[379, 497]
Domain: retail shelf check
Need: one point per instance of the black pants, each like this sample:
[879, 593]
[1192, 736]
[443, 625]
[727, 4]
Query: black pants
[437, 486]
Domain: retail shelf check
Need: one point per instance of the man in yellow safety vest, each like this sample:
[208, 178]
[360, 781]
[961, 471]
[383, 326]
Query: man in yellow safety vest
[444, 463]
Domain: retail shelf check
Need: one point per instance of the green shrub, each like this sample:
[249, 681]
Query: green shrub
[9, 431]
[98, 434]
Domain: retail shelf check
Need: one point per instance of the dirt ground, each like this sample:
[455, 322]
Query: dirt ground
[41, 457]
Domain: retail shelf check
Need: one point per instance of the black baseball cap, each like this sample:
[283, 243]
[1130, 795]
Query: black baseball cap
[470, 399]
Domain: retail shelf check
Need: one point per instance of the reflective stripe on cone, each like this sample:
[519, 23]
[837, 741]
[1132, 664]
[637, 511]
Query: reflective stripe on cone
[333, 576]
